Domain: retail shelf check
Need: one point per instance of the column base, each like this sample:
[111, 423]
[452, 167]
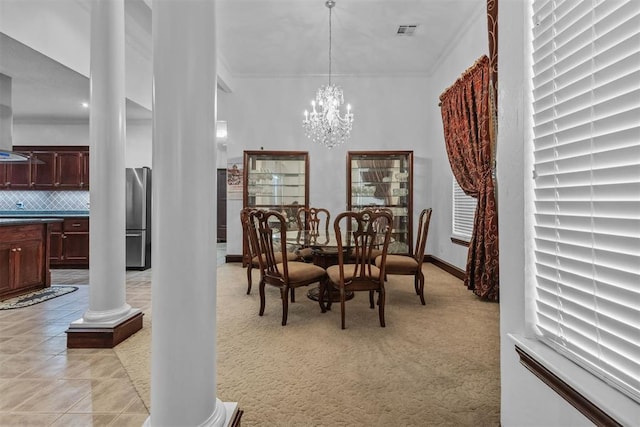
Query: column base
[91, 336]
[233, 416]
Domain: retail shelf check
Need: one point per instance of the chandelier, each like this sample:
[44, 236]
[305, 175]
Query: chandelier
[324, 124]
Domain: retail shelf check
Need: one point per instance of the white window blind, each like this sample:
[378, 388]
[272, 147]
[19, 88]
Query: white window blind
[586, 105]
[464, 210]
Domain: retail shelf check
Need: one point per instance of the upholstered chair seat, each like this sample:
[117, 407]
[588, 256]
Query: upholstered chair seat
[302, 272]
[400, 264]
[411, 265]
[349, 271]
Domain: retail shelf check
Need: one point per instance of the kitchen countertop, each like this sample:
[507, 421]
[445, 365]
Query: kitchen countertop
[42, 214]
[24, 221]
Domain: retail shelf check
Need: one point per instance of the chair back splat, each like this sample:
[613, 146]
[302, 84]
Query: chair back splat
[314, 222]
[358, 235]
[423, 232]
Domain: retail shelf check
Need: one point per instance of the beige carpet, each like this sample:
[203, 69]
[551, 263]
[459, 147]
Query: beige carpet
[433, 365]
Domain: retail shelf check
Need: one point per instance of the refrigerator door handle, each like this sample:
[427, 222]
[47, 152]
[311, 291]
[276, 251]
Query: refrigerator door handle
[133, 234]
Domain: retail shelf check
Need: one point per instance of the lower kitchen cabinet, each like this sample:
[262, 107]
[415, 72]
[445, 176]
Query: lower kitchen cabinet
[55, 255]
[70, 243]
[23, 262]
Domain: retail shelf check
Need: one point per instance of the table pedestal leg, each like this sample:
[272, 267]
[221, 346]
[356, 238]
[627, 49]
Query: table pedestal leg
[334, 294]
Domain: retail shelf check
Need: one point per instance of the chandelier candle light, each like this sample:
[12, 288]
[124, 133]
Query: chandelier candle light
[324, 124]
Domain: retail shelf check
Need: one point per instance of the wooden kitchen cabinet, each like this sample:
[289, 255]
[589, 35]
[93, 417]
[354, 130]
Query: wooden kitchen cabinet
[75, 241]
[15, 175]
[55, 238]
[69, 170]
[49, 168]
[70, 243]
[6, 268]
[85, 170]
[43, 170]
[23, 258]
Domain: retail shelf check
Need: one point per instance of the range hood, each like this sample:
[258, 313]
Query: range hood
[6, 123]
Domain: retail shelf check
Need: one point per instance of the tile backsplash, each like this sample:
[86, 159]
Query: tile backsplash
[44, 201]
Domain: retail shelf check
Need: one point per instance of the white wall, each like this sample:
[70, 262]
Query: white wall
[267, 113]
[390, 114]
[50, 133]
[138, 133]
[61, 31]
[525, 400]
[138, 144]
[470, 46]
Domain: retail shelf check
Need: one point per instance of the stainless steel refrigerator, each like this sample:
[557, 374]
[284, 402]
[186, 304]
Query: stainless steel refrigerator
[138, 218]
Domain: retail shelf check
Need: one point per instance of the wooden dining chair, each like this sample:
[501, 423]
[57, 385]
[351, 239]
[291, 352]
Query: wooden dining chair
[411, 264]
[358, 234]
[314, 222]
[251, 253]
[269, 232]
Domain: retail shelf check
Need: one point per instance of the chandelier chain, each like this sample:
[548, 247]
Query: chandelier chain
[329, 46]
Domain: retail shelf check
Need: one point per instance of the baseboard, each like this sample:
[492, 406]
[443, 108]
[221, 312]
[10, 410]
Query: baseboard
[449, 268]
[568, 393]
[84, 266]
[103, 337]
[232, 258]
[236, 418]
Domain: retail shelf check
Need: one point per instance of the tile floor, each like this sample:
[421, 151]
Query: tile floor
[42, 383]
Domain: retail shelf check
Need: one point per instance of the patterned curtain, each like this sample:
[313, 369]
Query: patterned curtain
[466, 118]
[492, 31]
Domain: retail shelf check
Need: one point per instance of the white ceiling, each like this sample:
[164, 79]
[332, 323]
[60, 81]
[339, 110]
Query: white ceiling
[291, 37]
[266, 38]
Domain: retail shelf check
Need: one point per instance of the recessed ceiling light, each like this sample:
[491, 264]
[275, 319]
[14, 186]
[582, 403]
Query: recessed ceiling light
[85, 104]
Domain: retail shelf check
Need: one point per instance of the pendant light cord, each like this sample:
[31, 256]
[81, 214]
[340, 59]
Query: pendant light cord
[330, 46]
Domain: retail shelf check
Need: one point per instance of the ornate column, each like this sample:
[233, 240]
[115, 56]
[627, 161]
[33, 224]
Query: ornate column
[109, 319]
[183, 366]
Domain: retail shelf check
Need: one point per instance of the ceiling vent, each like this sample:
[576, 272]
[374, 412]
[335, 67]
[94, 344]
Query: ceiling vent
[406, 30]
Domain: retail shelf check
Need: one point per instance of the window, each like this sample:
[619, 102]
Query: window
[586, 127]
[464, 210]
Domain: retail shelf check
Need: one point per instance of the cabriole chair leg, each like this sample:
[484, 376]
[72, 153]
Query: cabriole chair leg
[381, 302]
[249, 279]
[262, 302]
[285, 305]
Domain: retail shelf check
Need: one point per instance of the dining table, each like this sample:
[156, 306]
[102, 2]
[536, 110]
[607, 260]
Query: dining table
[324, 249]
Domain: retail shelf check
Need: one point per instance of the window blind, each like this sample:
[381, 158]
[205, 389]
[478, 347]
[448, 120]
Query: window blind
[586, 123]
[464, 211]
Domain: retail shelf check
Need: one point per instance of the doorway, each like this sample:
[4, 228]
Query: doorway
[222, 205]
